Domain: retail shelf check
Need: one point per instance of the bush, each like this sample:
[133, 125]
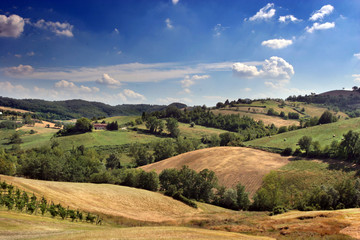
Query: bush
[278, 210]
[185, 200]
[287, 151]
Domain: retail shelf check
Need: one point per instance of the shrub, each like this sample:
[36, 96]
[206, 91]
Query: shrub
[287, 151]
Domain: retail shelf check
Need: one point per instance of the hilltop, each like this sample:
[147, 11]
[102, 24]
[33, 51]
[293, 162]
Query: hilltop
[79, 108]
[230, 164]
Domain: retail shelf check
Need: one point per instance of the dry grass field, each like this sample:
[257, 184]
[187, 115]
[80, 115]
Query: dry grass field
[109, 200]
[14, 225]
[230, 164]
[13, 109]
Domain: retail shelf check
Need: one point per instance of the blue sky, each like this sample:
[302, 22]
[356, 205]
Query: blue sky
[195, 52]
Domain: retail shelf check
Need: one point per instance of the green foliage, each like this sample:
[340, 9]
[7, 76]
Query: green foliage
[327, 117]
[9, 124]
[113, 162]
[112, 126]
[305, 143]
[287, 151]
[282, 129]
[140, 153]
[172, 126]
[164, 149]
[293, 115]
[154, 125]
[189, 183]
[272, 112]
[15, 139]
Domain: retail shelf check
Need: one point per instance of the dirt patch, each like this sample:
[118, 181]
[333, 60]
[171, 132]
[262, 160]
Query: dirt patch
[230, 164]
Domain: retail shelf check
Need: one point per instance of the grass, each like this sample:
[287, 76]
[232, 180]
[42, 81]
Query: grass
[121, 119]
[322, 133]
[230, 164]
[14, 225]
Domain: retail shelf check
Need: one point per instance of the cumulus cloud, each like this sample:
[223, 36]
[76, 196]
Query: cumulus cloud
[245, 71]
[357, 55]
[21, 70]
[189, 81]
[218, 29]
[168, 23]
[130, 95]
[11, 26]
[288, 18]
[60, 29]
[8, 87]
[320, 14]
[264, 13]
[175, 1]
[109, 81]
[247, 89]
[277, 43]
[274, 68]
[317, 26]
[356, 78]
[30, 54]
[70, 86]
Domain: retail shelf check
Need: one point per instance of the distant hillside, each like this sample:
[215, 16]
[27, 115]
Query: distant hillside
[339, 93]
[230, 164]
[79, 108]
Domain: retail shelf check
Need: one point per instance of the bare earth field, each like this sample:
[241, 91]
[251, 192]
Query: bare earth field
[230, 164]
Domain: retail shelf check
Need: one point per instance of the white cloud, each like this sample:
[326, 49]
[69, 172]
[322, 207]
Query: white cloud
[11, 26]
[264, 13]
[274, 68]
[288, 18]
[119, 52]
[168, 100]
[317, 26]
[175, 1]
[109, 81]
[116, 31]
[277, 43]
[189, 81]
[218, 29]
[356, 78]
[247, 89]
[244, 71]
[18, 55]
[21, 70]
[320, 14]
[8, 87]
[60, 29]
[30, 54]
[168, 23]
[357, 55]
[130, 95]
[70, 86]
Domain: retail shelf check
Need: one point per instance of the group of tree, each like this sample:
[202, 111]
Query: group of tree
[247, 127]
[285, 192]
[347, 149]
[186, 184]
[112, 126]
[82, 125]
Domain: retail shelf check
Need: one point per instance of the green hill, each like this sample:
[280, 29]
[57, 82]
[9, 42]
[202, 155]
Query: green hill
[79, 108]
[325, 134]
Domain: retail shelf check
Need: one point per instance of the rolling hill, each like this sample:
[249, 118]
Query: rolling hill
[126, 202]
[230, 164]
[325, 134]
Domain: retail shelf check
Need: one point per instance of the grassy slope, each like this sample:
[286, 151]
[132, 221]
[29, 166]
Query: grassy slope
[322, 133]
[231, 164]
[14, 225]
[259, 109]
[125, 202]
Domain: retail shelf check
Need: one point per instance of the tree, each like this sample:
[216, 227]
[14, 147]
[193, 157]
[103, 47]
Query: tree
[141, 154]
[113, 162]
[172, 126]
[83, 125]
[164, 149]
[243, 201]
[326, 117]
[154, 125]
[15, 138]
[355, 88]
[305, 143]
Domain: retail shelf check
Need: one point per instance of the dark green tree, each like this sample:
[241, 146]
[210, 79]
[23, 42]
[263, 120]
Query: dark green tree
[172, 126]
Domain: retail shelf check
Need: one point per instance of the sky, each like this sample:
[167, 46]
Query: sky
[194, 52]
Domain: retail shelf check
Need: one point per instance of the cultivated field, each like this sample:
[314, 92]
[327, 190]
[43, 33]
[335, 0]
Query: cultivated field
[325, 134]
[230, 164]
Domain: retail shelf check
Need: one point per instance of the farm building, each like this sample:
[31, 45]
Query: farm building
[100, 126]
